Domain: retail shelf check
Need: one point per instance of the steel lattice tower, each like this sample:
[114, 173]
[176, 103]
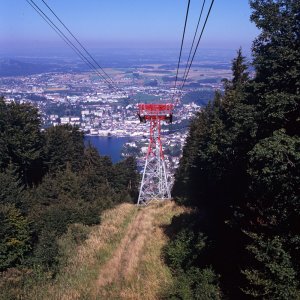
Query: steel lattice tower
[154, 185]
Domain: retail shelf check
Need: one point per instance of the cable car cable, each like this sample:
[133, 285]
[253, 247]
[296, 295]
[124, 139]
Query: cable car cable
[60, 34]
[85, 50]
[182, 40]
[203, 27]
[194, 38]
[66, 39]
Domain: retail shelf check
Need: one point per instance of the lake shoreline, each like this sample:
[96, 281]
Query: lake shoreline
[109, 145]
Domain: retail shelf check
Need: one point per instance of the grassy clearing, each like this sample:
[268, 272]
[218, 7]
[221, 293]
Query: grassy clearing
[121, 258]
[147, 277]
[82, 268]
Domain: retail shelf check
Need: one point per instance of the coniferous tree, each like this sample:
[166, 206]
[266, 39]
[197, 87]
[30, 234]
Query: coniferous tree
[276, 61]
[127, 177]
[241, 163]
[14, 236]
[63, 145]
[11, 188]
[274, 276]
[4, 157]
[273, 196]
[21, 140]
[48, 181]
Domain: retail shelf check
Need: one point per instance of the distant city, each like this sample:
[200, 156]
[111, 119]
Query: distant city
[66, 93]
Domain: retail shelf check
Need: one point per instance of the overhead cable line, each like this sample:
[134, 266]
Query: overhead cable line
[194, 38]
[182, 40]
[59, 33]
[79, 43]
[199, 39]
[66, 39]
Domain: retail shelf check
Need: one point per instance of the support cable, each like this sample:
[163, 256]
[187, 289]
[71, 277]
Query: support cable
[79, 43]
[60, 34]
[182, 40]
[66, 39]
[199, 39]
[194, 38]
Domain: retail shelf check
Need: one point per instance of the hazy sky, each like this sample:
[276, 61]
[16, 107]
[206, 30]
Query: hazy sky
[126, 23]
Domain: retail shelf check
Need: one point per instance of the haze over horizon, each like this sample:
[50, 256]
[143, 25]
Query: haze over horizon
[130, 25]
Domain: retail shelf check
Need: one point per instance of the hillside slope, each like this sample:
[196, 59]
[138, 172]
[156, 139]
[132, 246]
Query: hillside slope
[121, 259]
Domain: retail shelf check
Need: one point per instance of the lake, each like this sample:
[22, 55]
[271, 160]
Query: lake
[110, 146]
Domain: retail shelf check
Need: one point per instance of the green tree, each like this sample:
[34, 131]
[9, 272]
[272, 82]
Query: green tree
[64, 145]
[21, 140]
[187, 256]
[274, 277]
[96, 179]
[4, 157]
[240, 74]
[127, 177]
[274, 167]
[276, 54]
[12, 190]
[99, 167]
[240, 165]
[57, 203]
[271, 212]
[14, 236]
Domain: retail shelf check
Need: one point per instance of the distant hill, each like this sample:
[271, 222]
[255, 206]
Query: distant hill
[11, 67]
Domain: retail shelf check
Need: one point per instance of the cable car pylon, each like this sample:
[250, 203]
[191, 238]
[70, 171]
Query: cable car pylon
[154, 184]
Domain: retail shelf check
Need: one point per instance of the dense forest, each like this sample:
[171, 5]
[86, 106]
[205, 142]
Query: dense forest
[52, 185]
[240, 171]
[239, 176]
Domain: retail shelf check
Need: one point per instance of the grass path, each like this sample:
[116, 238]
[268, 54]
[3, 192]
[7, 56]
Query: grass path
[121, 259]
[136, 270]
[127, 255]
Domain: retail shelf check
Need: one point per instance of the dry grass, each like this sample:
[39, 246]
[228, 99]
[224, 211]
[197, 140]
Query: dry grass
[126, 255]
[140, 271]
[76, 280]
[121, 259]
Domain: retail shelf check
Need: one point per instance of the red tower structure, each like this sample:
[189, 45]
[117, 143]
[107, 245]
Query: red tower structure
[154, 183]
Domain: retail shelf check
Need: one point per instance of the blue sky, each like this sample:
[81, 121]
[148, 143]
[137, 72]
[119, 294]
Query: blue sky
[126, 24]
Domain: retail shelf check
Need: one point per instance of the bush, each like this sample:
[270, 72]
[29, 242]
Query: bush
[68, 242]
[14, 236]
[196, 283]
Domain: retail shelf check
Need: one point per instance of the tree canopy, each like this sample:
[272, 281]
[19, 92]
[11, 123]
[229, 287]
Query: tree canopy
[240, 166]
[50, 180]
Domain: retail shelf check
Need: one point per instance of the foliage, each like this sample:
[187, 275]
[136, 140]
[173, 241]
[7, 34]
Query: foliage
[21, 140]
[196, 283]
[11, 187]
[68, 242]
[63, 145]
[14, 236]
[200, 97]
[186, 255]
[240, 166]
[128, 177]
[50, 181]
[275, 277]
